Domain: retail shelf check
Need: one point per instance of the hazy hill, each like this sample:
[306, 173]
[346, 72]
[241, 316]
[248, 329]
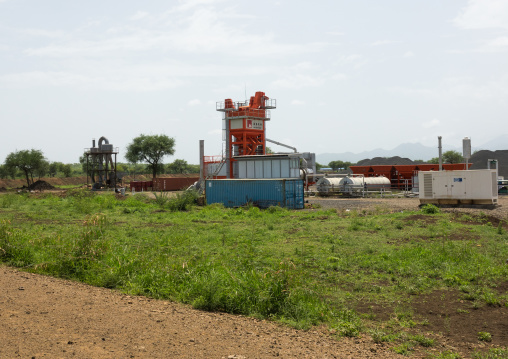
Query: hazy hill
[412, 151]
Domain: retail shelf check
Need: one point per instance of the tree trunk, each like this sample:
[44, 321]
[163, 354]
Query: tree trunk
[154, 170]
[27, 179]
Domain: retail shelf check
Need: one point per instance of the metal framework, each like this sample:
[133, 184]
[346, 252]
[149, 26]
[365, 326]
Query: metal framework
[101, 165]
[245, 127]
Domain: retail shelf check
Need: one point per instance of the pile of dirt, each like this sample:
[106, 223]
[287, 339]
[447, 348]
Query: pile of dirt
[396, 160]
[479, 160]
[40, 186]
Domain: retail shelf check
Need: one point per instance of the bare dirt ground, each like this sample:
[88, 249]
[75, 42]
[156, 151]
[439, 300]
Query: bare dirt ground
[44, 317]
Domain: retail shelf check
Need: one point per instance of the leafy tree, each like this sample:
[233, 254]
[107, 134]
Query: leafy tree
[178, 166]
[335, 165]
[66, 169]
[42, 169]
[448, 157]
[53, 168]
[452, 157]
[6, 172]
[318, 166]
[151, 149]
[27, 161]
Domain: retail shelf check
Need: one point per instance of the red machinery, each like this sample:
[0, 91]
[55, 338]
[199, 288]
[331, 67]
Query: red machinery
[401, 176]
[245, 126]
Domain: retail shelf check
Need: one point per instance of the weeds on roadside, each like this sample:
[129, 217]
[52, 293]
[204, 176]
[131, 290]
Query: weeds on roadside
[484, 336]
[430, 208]
[13, 247]
[493, 353]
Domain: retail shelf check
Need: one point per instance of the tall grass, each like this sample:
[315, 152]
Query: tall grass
[298, 267]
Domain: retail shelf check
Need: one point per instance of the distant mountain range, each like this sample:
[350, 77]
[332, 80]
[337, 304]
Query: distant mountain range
[413, 151]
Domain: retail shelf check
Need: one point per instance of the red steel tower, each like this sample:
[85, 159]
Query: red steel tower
[245, 126]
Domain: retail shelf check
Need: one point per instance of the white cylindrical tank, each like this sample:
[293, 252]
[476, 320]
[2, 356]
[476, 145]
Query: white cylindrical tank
[358, 184]
[466, 148]
[327, 185]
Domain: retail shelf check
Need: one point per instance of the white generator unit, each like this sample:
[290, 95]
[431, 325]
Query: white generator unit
[458, 187]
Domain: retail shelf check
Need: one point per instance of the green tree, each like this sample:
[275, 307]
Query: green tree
[6, 172]
[53, 168]
[335, 165]
[66, 169]
[452, 157]
[151, 149]
[178, 166]
[42, 169]
[27, 161]
[448, 157]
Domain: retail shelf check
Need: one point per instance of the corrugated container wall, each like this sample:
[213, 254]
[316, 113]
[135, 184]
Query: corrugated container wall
[288, 193]
[173, 183]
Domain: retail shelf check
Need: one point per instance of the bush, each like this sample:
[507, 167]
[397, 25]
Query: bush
[430, 209]
[183, 201]
[13, 249]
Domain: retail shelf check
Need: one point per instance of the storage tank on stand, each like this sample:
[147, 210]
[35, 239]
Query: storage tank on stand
[358, 185]
[328, 185]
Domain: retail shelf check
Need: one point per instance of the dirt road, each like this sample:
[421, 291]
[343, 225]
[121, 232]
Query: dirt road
[44, 317]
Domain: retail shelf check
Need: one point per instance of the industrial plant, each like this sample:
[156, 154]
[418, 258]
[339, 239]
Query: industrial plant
[245, 173]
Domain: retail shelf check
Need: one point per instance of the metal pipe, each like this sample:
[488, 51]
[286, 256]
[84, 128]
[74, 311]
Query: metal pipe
[440, 153]
[201, 160]
[281, 144]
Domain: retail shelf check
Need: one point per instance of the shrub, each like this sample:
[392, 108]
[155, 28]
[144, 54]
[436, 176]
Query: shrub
[484, 336]
[430, 209]
[183, 201]
[13, 249]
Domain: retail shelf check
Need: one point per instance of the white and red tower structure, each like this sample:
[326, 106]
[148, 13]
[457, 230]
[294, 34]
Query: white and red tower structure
[245, 127]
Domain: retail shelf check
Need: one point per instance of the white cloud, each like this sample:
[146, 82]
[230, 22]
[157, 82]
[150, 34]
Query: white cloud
[384, 42]
[42, 33]
[139, 15]
[354, 60]
[483, 14]
[460, 88]
[297, 102]
[117, 81]
[194, 102]
[297, 81]
[409, 54]
[432, 123]
[335, 33]
[215, 132]
[338, 77]
[188, 28]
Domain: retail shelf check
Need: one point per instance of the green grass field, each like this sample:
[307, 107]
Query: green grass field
[303, 268]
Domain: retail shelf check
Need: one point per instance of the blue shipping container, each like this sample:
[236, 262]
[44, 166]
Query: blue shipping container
[288, 193]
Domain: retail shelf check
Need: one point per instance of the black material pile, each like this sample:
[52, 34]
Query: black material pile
[480, 159]
[396, 160]
[40, 186]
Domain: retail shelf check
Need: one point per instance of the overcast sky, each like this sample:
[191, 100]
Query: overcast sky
[347, 75]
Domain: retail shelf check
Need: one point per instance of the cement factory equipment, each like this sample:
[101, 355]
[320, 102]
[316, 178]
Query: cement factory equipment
[358, 185]
[466, 150]
[458, 187]
[244, 124]
[328, 185]
[352, 185]
[101, 164]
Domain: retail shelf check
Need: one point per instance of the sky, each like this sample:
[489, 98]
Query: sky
[346, 75]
